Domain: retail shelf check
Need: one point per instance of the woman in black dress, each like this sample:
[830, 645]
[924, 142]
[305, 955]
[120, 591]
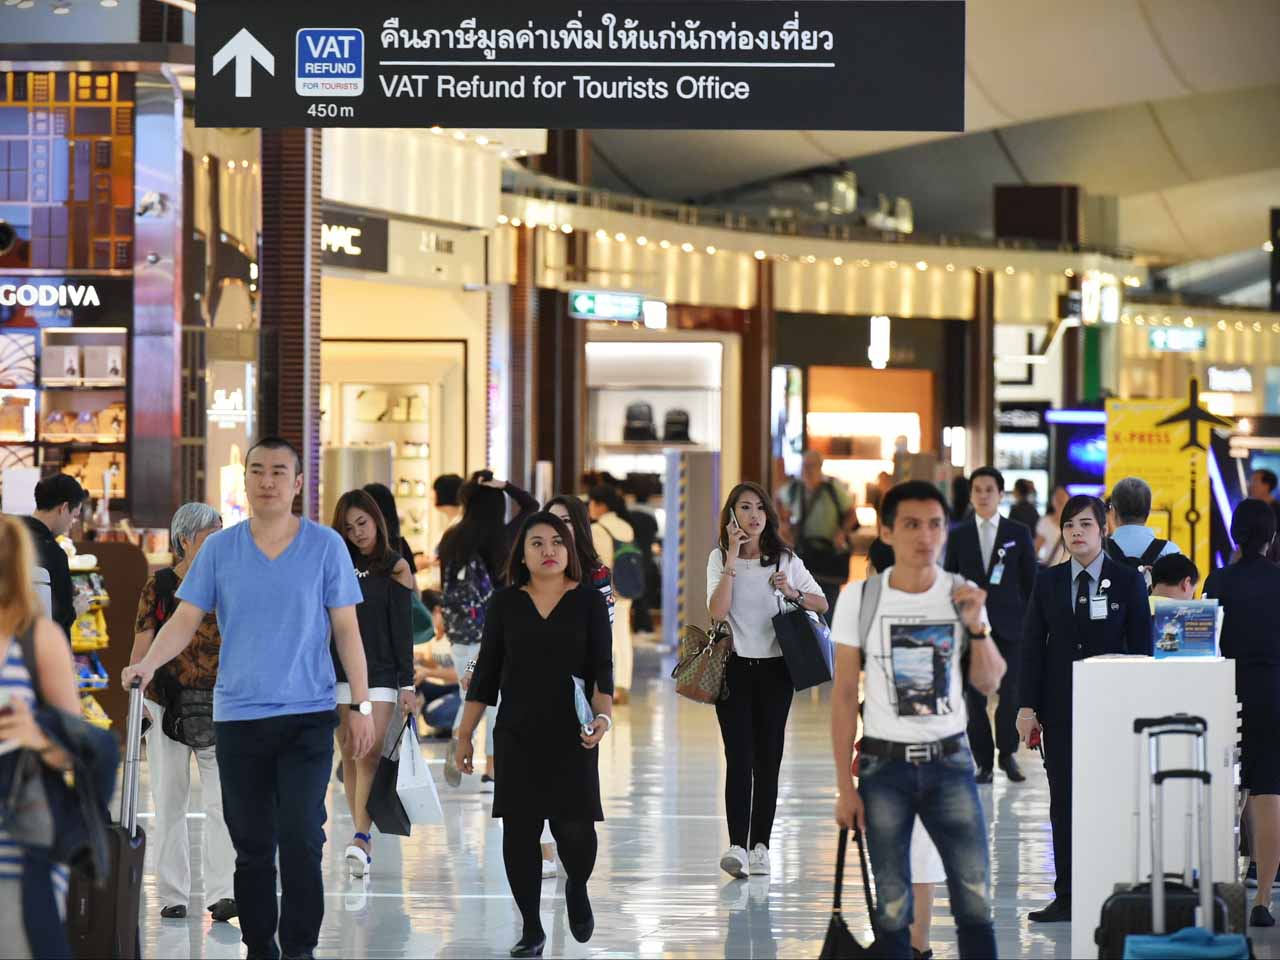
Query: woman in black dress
[541, 633]
[1247, 592]
[386, 627]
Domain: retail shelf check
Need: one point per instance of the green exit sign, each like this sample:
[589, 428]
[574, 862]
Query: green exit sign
[601, 305]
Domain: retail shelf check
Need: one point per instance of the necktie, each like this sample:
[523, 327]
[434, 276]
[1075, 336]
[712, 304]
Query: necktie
[1082, 597]
[988, 537]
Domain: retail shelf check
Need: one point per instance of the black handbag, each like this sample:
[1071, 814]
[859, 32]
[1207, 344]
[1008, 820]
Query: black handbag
[806, 645]
[384, 804]
[840, 943]
[188, 718]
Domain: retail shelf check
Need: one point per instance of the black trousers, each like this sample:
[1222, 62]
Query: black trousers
[522, 855]
[1006, 724]
[1057, 764]
[275, 774]
[753, 726]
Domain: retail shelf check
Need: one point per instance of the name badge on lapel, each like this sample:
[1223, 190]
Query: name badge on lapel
[997, 572]
[1098, 604]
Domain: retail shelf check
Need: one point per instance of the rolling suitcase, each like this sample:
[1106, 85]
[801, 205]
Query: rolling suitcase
[102, 919]
[1144, 911]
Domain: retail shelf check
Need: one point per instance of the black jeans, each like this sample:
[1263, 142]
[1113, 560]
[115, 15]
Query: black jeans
[1057, 766]
[522, 855]
[1006, 735]
[275, 774]
[753, 725]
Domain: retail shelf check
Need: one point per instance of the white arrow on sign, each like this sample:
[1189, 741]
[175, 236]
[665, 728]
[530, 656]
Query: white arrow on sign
[244, 48]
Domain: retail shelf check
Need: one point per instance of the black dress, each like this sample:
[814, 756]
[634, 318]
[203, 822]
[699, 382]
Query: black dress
[543, 769]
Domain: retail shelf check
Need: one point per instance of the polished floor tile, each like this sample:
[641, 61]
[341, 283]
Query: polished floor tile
[657, 889]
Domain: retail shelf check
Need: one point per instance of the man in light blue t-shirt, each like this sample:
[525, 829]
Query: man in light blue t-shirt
[278, 584]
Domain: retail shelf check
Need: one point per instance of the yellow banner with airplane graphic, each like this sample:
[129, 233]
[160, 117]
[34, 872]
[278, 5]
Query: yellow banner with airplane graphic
[1165, 443]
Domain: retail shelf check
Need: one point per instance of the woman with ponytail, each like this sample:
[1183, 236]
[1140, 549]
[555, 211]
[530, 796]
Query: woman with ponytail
[1247, 591]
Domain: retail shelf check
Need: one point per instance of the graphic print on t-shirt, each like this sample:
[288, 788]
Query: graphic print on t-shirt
[920, 654]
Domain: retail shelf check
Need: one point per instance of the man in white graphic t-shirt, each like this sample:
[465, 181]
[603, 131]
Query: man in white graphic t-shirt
[914, 758]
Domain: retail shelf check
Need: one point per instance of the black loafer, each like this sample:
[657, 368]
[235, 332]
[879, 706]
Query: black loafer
[176, 912]
[1057, 912]
[1261, 917]
[582, 921]
[983, 775]
[224, 910]
[1011, 770]
[529, 948]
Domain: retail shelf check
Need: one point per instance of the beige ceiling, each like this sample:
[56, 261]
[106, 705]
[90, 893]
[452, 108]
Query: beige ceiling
[1171, 105]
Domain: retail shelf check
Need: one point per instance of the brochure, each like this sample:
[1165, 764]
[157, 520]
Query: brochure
[1185, 628]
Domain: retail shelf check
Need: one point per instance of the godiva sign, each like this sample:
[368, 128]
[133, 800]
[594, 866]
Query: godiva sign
[800, 64]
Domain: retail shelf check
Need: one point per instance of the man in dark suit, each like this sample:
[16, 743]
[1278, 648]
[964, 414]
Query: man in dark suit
[999, 556]
[1089, 606]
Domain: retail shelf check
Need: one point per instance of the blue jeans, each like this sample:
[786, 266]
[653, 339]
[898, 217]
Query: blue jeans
[945, 797]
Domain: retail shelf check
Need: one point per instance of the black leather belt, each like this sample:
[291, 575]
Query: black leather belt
[915, 752]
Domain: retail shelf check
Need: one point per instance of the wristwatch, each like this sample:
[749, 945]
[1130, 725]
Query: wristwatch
[982, 634]
[365, 707]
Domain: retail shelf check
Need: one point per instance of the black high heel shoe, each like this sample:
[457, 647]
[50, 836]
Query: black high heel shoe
[529, 948]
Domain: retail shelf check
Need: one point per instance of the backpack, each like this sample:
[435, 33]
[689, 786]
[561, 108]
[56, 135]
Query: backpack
[1143, 563]
[629, 581]
[639, 427]
[675, 427]
[466, 594]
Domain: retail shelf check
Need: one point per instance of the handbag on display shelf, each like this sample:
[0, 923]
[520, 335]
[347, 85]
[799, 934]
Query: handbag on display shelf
[703, 661]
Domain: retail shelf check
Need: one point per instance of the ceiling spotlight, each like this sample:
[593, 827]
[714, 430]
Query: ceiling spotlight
[482, 141]
[459, 136]
[1222, 325]
[1009, 271]
[951, 268]
[566, 228]
[109, 3]
[1188, 322]
[642, 241]
[437, 130]
[61, 9]
[865, 262]
[10, 3]
[1268, 246]
[1069, 272]
[665, 244]
[620, 237]
[921, 265]
[838, 261]
[759, 254]
[502, 218]
[26, 4]
[602, 235]
[893, 264]
[687, 247]
[231, 164]
[711, 251]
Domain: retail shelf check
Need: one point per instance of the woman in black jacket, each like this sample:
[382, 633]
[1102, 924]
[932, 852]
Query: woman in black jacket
[1247, 591]
[386, 627]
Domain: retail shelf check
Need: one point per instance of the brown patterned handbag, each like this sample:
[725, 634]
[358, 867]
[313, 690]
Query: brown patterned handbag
[703, 661]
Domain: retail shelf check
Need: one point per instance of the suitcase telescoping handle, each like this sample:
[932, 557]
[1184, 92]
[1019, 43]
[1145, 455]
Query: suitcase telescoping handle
[132, 761]
[1154, 730]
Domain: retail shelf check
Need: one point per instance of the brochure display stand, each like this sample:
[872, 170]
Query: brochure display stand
[1110, 778]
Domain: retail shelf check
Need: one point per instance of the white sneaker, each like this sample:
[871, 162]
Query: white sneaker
[549, 869]
[760, 861]
[734, 862]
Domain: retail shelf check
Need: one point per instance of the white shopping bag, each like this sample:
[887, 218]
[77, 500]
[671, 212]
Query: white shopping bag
[414, 784]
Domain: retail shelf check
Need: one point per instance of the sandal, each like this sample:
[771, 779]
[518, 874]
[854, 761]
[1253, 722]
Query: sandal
[357, 860]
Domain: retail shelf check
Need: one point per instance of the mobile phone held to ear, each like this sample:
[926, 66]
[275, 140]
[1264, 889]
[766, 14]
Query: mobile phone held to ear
[733, 522]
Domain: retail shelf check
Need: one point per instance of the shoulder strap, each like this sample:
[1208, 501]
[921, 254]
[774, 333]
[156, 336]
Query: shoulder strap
[1114, 551]
[27, 644]
[1153, 551]
[871, 589]
[166, 593]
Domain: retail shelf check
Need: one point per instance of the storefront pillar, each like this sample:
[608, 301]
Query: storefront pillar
[560, 393]
[757, 366]
[290, 286]
[523, 413]
[981, 380]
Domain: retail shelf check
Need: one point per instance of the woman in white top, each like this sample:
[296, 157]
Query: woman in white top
[749, 578]
[1050, 550]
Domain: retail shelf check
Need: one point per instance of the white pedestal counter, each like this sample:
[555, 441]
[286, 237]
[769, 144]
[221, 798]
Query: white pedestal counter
[1109, 694]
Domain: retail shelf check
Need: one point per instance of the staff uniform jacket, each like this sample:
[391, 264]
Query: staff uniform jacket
[1006, 601]
[1053, 639]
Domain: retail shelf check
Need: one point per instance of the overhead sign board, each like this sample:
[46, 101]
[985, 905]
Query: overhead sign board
[1230, 379]
[1177, 340]
[800, 64]
[600, 305]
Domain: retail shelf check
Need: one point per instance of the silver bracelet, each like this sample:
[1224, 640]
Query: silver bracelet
[607, 719]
